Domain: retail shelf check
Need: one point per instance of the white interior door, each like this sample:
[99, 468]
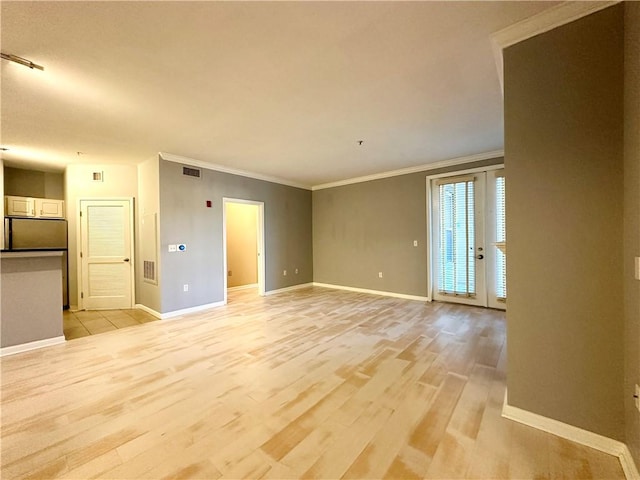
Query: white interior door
[458, 240]
[106, 254]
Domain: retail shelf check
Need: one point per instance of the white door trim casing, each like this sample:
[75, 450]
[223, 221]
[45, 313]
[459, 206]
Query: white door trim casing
[131, 201]
[261, 252]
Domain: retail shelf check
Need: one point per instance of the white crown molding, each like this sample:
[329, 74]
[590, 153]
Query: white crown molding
[575, 434]
[371, 292]
[544, 21]
[419, 168]
[26, 347]
[220, 168]
[629, 467]
[287, 289]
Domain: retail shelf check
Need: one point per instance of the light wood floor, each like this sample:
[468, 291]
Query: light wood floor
[309, 384]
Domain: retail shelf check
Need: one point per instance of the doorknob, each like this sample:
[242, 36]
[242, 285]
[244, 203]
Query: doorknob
[480, 257]
[126, 259]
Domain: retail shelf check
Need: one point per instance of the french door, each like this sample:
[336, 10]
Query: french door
[468, 244]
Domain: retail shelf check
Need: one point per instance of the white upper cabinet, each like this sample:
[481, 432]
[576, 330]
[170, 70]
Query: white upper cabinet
[20, 206]
[49, 208]
[33, 207]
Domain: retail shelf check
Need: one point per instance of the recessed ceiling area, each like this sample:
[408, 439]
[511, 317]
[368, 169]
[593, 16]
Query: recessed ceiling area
[282, 89]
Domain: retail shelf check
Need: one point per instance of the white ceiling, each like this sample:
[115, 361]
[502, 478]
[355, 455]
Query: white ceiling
[281, 89]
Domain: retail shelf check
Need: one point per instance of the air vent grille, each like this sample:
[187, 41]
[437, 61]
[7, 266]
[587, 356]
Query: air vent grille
[149, 270]
[191, 172]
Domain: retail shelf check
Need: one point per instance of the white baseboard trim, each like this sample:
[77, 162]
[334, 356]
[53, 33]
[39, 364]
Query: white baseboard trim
[242, 287]
[575, 434]
[288, 289]
[372, 292]
[150, 311]
[25, 347]
[178, 313]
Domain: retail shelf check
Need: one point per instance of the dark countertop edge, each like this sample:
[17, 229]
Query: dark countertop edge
[34, 250]
[7, 254]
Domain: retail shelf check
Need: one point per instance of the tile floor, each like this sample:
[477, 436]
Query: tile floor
[83, 323]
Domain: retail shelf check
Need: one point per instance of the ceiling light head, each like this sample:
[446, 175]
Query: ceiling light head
[21, 61]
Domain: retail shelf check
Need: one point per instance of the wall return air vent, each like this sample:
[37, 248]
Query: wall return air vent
[191, 172]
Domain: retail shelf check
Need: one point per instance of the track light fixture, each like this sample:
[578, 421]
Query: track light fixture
[21, 61]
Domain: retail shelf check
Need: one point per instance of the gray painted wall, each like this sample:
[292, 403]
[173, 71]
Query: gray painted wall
[31, 304]
[186, 219]
[632, 220]
[365, 228]
[32, 183]
[563, 164]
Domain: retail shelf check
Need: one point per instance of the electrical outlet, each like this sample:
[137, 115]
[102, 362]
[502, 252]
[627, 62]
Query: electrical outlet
[173, 248]
[637, 397]
[284, 273]
[415, 243]
[185, 287]
[379, 274]
[296, 271]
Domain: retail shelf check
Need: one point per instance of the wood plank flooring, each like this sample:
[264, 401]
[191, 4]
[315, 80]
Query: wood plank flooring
[314, 383]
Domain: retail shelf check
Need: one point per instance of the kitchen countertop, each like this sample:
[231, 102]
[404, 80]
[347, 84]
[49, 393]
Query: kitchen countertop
[30, 253]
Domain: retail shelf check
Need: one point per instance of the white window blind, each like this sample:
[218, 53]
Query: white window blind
[501, 241]
[457, 237]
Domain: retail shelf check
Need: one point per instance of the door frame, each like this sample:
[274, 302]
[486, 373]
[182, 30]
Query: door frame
[79, 245]
[260, 235]
[429, 205]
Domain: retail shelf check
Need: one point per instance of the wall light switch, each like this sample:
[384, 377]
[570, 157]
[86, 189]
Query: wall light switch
[415, 243]
[185, 287]
[173, 248]
[284, 272]
[379, 274]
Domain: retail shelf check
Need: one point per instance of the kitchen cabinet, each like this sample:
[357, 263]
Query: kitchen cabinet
[49, 208]
[33, 207]
[20, 206]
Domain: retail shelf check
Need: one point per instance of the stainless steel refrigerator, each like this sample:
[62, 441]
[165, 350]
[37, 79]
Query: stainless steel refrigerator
[29, 234]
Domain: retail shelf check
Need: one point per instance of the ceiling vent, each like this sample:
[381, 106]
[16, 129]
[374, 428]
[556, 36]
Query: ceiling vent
[191, 172]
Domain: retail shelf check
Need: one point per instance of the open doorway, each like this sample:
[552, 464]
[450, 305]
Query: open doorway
[244, 246]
